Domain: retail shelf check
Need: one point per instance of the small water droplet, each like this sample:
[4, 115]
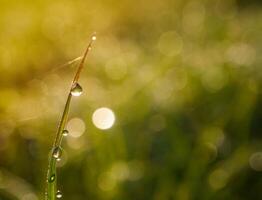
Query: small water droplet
[76, 90]
[51, 178]
[59, 194]
[65, 132]
[57, 152]
[93, 37]
[89, 48]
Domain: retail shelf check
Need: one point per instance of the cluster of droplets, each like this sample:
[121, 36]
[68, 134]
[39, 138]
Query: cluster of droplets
[57, 153]
[76, 90]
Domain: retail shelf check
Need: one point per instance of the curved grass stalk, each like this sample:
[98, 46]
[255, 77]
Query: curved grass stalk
[51, 188]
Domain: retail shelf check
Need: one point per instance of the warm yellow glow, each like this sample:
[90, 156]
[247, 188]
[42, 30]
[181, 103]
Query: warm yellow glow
[116, 68]
[218, 179]
[76, 127]
[241, 54]
[103, 118]
[29, 196]
[76, 143]
[93, 37]
[120, 171]
[170, 43]
[106, 182]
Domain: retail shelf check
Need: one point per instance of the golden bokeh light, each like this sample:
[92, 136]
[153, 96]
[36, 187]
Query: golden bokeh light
[170, 43]
[106, 182]
[218, 179]
[76, 127]
[103, 118]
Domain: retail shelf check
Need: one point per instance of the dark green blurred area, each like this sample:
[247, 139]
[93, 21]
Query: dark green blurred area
[183, 79]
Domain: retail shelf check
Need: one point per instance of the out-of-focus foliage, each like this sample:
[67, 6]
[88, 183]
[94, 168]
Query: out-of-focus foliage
[183, 79]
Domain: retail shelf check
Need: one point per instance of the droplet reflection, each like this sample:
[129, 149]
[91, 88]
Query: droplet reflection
[51, 178]
[59, 194]
[76, 90]
[57, 153]
[65, 132]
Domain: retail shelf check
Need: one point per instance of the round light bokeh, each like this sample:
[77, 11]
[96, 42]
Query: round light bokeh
[255, 161]
[76, 127]
[103, 118]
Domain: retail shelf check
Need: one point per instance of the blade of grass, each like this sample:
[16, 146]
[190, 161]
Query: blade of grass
[51, 173]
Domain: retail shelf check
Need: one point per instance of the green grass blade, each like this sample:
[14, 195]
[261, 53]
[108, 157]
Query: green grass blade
[51, 188]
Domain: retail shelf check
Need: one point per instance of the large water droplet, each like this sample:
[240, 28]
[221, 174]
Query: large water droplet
[76, 90]
[57, 152]
[65, 132]
[59, 194]
[51, 178]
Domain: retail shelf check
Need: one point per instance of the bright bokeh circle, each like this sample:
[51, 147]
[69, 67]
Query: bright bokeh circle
[103, 118]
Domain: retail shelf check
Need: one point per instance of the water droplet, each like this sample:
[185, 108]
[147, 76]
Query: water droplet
[76, 90]
[57, 152]
[93, 37]
[65, 132]
[59, 194]
[89, 48]
[51, 178]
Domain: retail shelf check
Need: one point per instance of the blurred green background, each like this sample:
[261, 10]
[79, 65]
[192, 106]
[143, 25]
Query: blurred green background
[182, 78]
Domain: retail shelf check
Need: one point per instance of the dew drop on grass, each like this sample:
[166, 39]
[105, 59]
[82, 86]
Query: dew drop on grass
[57, 152]
[59, 194]
[76, 90]
[51, 178]
[65, 132]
